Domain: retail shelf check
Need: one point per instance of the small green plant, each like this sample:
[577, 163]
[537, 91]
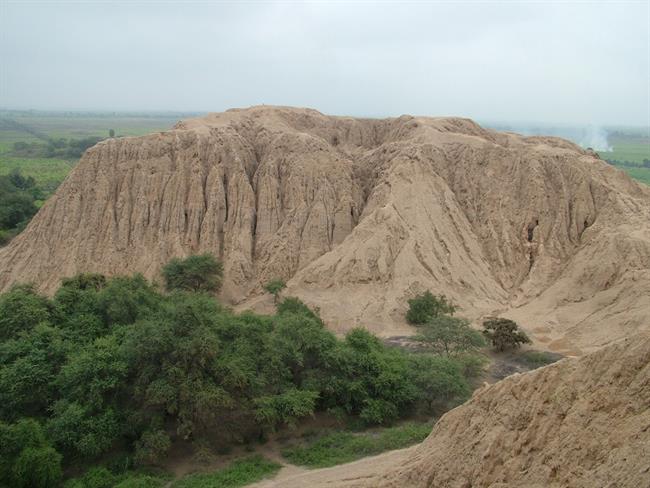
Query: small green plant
[426, 306]
[194, 273]
[504, 334]
[274, 287]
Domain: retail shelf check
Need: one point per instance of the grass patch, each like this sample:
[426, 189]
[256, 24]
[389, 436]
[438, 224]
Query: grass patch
[239, 473]
[48, 173]
[344, 447]
[101, 477]
[537, 359]
[640, 174]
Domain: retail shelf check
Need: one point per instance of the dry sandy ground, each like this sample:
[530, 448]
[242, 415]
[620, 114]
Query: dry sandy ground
[338, 476]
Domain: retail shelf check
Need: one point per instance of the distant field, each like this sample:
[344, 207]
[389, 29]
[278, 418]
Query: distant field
[630, 148]
[79, 125]
[38, 127]
[641, 174]
[627, 151]
[48, 173]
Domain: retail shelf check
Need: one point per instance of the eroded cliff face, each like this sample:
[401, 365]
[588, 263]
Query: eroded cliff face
[358, 216]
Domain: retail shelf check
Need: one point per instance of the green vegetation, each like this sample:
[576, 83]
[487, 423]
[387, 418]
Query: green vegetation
[274, 287]
[194, 273]
[445, 334]
[60, 148]
[100, 477]
[45, 146]
[18, 198]
[537, 359]
[426, 306]
[640, 174]
[504, 334]
[113, 367]
[239, 473]
[630, 152]
[26, 457]
[344, 447]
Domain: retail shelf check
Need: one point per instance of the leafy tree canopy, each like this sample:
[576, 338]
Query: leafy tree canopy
[504, 334]
[426, 306]
[194, 273]
[444, 334]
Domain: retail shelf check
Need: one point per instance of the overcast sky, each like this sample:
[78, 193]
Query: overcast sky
[578, 62]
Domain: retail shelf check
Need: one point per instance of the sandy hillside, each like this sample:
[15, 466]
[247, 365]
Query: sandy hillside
[358, 216]
[579, 423]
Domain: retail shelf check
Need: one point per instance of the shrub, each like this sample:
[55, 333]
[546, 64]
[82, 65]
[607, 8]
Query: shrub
[98, 477]
[194, 273]
[152, 447]
[274, 287]
[295, 306]
[504, 334]
[426, 306]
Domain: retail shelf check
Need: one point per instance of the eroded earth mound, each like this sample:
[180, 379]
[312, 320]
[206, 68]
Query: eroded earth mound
[358, 215]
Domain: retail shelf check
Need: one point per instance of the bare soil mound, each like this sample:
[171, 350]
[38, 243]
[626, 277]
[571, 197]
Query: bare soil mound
[359, 215]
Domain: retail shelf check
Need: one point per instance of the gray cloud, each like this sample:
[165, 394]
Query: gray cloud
[579, 62]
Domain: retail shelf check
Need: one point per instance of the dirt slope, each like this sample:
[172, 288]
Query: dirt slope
[358, 216]
[579, 423]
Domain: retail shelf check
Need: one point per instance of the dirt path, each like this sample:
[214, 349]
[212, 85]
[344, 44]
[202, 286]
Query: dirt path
[341, 475]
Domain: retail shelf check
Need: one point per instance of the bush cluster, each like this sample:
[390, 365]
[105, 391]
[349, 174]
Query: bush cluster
[113, 365]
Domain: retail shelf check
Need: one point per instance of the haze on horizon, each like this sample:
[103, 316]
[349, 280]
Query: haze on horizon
[578, 62]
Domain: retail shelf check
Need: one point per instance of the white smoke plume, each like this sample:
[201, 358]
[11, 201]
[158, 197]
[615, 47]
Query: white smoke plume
[596, 138]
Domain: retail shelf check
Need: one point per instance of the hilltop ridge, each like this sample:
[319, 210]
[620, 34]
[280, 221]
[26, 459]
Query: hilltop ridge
[358, 215]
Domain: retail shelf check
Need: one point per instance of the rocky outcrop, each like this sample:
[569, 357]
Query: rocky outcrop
[358, 216]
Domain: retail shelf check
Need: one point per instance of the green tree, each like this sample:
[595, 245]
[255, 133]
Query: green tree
[426, 306]
[79, 430]
[194, 273]
[111, 133]
[173, 355]
[368, 379]
[29, 365]
[26, 458]
[448, 335]
[15, 209]
[21, 309]
[439, 380]
[274, 287]
[504, 334]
